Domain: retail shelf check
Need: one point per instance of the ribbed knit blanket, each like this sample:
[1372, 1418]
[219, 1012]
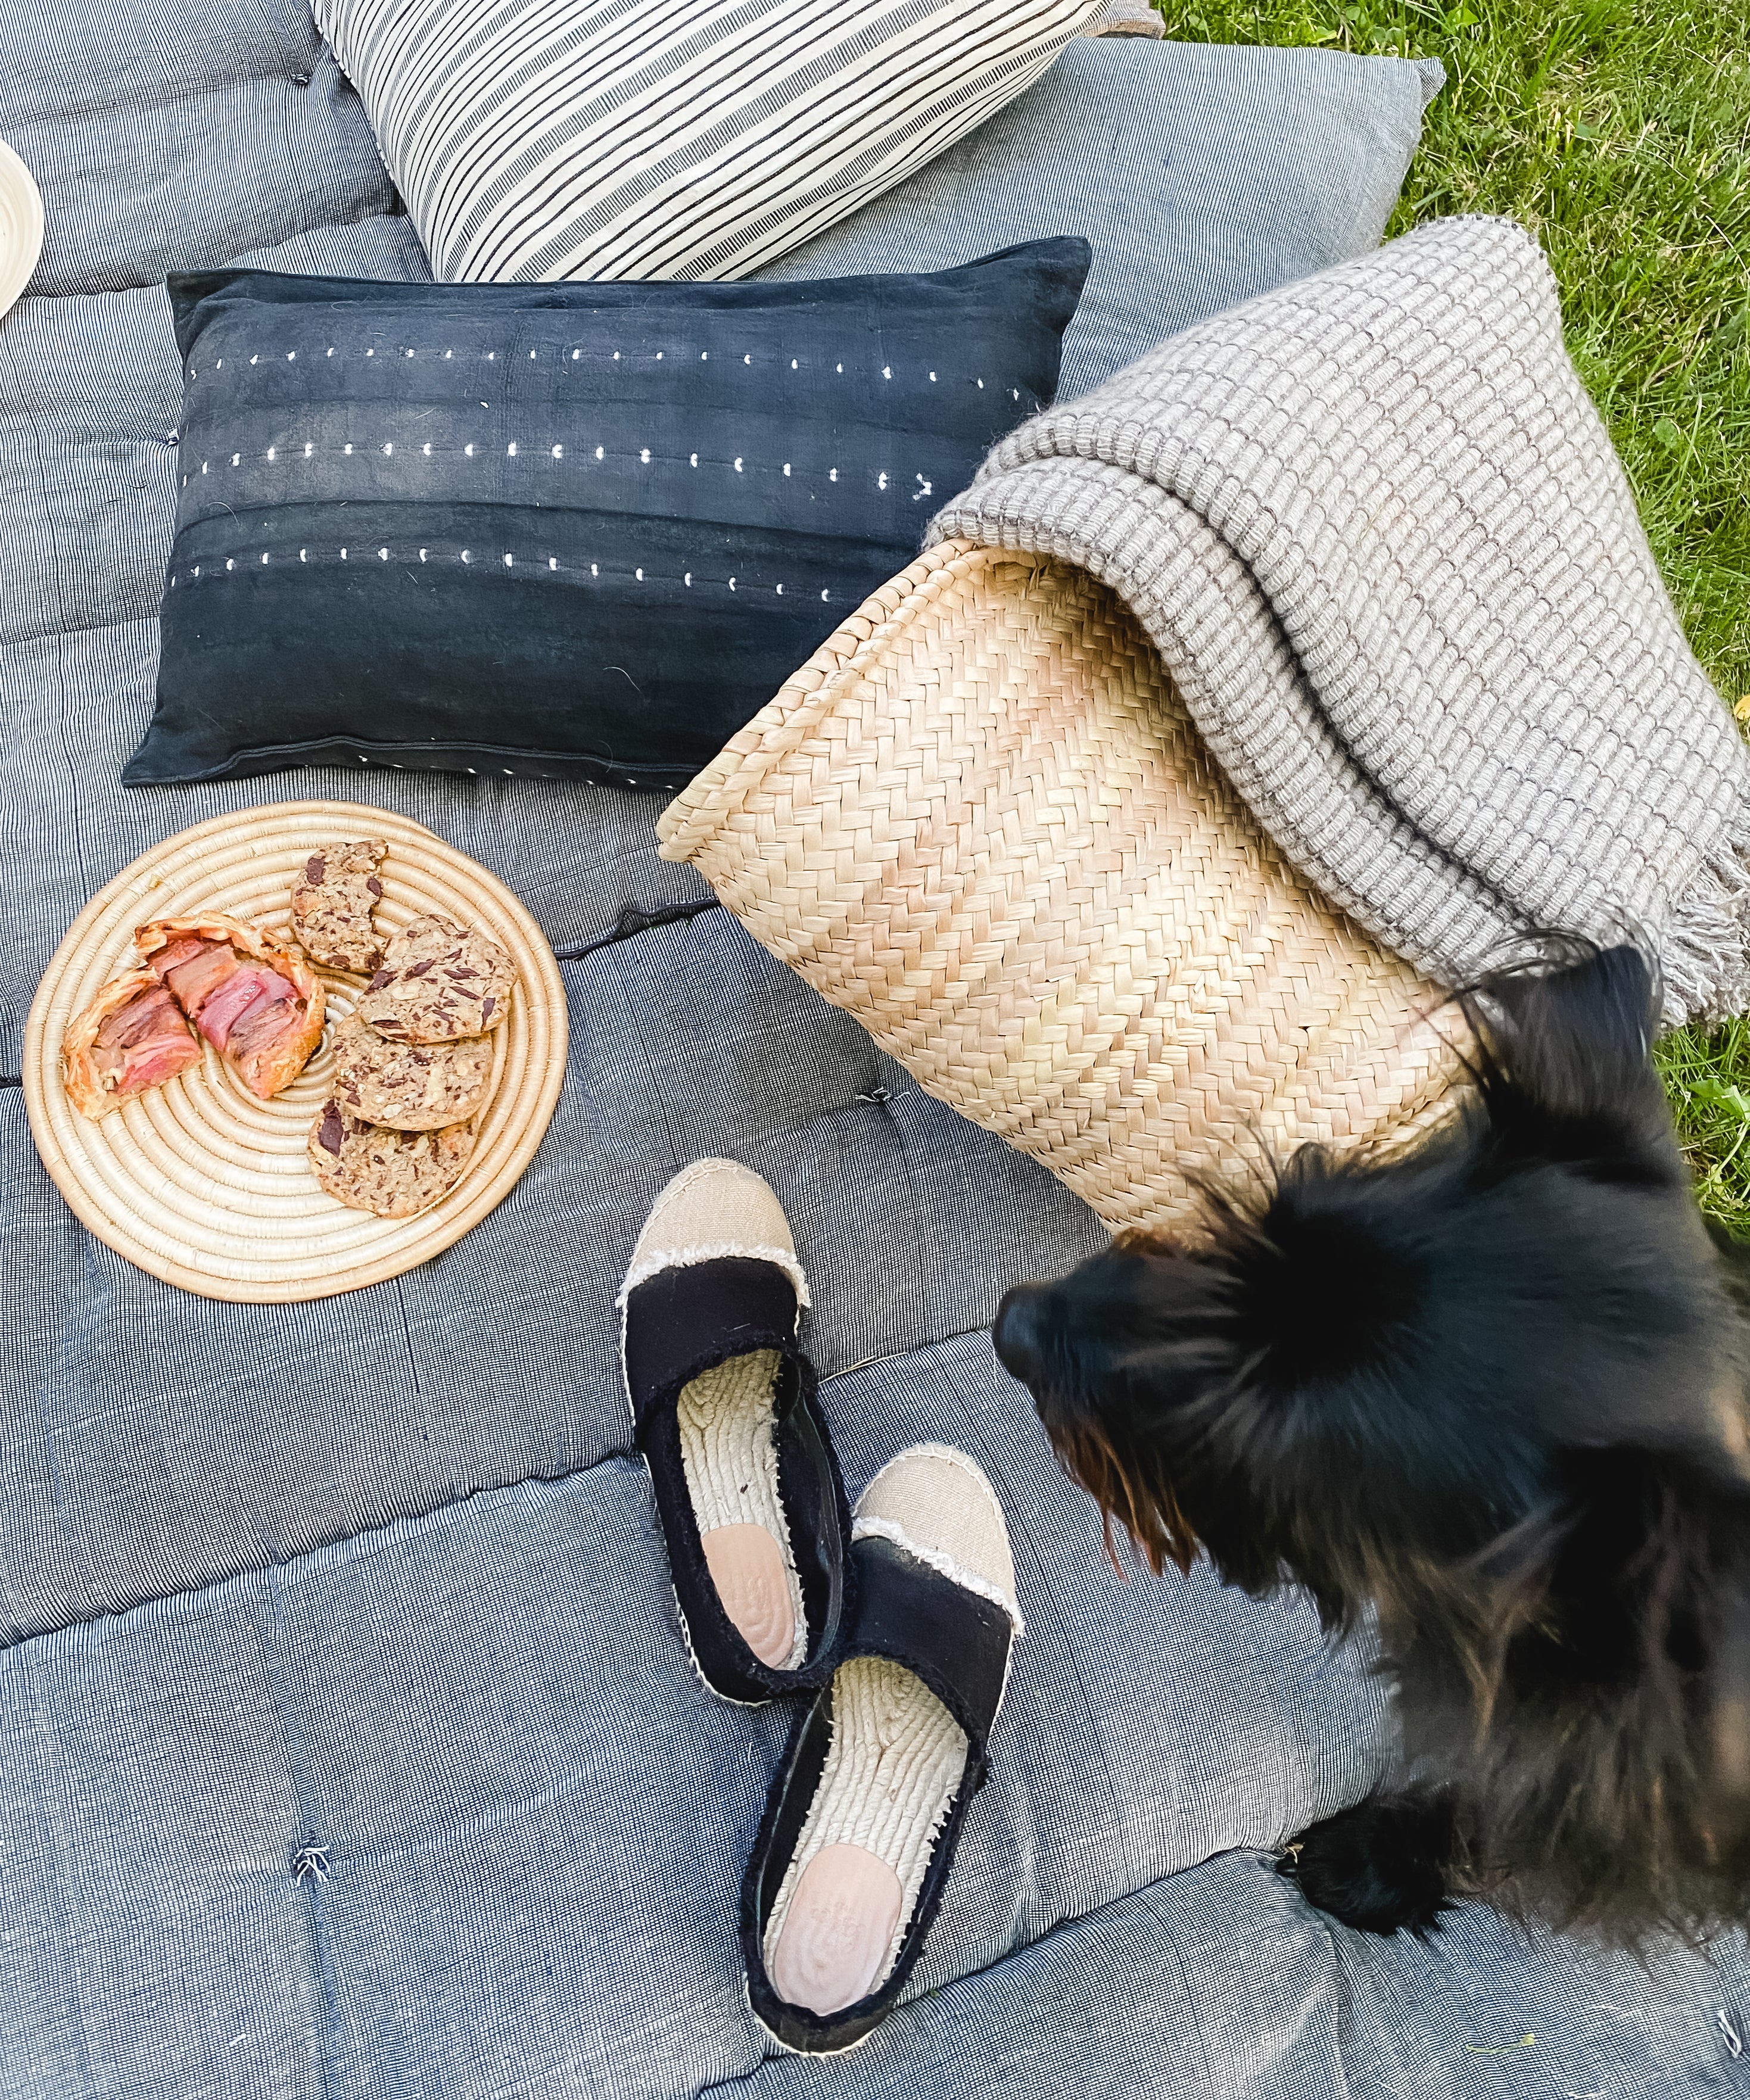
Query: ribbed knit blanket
[1379, 534]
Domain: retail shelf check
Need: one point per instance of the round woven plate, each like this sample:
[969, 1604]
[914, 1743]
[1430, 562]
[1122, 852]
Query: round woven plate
[201, 1184]
[21, 225]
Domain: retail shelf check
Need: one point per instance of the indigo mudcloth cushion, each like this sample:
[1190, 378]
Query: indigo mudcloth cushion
[1201, 175]
[575, 530]
[642, 139]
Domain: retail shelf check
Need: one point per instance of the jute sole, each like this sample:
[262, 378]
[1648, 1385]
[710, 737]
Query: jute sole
[724, 1417]
[896, 1757]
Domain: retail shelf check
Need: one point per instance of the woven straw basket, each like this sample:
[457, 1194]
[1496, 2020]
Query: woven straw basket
[980, 820]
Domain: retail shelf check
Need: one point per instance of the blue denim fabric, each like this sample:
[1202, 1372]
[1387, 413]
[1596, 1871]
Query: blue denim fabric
[348, 1745]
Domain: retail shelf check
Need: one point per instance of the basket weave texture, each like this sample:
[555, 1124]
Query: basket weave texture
[980, 820]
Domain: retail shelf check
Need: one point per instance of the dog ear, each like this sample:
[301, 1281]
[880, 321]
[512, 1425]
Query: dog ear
[1563, 1063]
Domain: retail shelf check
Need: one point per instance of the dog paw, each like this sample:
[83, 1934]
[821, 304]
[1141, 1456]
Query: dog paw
[1381, 1867]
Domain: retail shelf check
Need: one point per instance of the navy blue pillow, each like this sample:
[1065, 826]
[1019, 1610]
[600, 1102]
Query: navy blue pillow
[583, 531]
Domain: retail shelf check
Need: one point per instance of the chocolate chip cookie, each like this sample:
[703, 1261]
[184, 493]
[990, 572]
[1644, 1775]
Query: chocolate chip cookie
[391, 1173]
[332, 903]
[439, 981]
[409, 1085]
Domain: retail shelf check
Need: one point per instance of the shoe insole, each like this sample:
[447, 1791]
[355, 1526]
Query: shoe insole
[895, 1759]
[730, 1461]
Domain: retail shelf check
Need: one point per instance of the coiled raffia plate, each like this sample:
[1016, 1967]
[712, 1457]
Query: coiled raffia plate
[21, 226]
[201, 1184]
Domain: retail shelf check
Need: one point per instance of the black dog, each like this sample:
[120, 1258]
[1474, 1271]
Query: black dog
[1493, 1389]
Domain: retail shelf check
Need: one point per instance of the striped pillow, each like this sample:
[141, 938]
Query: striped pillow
[540, 141]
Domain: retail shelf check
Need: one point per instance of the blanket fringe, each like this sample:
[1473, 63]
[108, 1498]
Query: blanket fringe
[1705, 955]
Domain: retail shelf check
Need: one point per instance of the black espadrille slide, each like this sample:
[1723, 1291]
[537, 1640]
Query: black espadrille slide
[724, 1411]
[859, 1835]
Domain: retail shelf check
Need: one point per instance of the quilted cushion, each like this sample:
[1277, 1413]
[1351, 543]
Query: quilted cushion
[667, 138]
[348, 1747]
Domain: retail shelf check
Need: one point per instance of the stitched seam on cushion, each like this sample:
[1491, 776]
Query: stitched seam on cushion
[30, 637]
[1121, 1823]
[413, 1360]
[46, 1770]
[325, 2022]
[26, 636]
[59, 584]
[132, 105]
[296, 163]
[625, 1455]
[1141, 1897]
[633, 920]
[898, 1356]
[1066, 1925]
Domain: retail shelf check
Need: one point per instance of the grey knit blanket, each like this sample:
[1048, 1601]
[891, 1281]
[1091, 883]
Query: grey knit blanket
[1379, 536]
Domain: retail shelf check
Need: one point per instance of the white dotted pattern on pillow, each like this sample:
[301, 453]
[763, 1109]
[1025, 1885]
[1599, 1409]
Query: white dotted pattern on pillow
[542, 140]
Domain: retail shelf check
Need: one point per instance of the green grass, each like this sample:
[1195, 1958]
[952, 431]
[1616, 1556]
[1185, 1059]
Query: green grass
[1618, 132]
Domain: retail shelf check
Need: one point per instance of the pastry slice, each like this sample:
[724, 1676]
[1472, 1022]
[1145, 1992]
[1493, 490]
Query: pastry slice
[132, 1036]
[408, 1086]
[391, 1173]
[439, 982]
[332, 903]
[258, 1002]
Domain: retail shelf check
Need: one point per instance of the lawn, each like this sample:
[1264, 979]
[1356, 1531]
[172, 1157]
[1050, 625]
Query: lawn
[1618, 132]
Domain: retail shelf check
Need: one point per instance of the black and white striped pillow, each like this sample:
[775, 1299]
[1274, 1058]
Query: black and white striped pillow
[541, 140]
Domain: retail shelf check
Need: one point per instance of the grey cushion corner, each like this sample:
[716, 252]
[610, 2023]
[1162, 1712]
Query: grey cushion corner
[1203, 175]
[379, 244]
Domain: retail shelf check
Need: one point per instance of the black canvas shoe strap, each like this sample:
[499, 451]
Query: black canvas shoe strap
[956, 1641]
[687, 1319]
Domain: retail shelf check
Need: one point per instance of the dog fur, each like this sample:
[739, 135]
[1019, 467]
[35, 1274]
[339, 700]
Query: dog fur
[1489, 1394]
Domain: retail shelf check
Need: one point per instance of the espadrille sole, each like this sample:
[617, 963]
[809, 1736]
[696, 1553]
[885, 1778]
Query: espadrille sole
[865, 1810]
[715, 1269]
[680, 1614]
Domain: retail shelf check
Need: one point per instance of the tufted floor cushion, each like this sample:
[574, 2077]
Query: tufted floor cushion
[348, 1747]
